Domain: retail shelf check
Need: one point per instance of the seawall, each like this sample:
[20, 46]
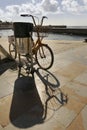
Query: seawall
[71, 31]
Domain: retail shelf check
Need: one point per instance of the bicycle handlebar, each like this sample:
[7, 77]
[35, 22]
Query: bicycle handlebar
[37, 27]
[27, 15]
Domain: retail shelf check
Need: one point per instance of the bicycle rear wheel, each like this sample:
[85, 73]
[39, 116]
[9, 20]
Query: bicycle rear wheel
[44, 57]
[12, 50]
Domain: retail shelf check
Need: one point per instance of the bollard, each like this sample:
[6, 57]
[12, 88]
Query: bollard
[85, 40]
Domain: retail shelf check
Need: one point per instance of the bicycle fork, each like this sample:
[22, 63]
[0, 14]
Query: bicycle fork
[41, 52]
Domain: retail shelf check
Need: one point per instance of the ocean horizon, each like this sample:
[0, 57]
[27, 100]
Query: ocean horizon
[51, 36]
[77, 27]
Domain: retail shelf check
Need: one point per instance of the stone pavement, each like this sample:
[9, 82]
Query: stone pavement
[54, 99]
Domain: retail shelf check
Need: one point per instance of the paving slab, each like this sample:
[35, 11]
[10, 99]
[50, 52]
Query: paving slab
[62, 79]
[84, 117]
[5, 105]
[64, 116]
[0, 127]
[10, 76]
[76, 91]
[82, 78]
[80, 123]
[5, 88]
[72, 70]
[60, 63]
[7, 80]
[77, 54]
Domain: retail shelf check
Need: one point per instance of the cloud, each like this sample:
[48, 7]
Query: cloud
[1, 12]
[33, 1]
[31, 8]
[74, 6]
[50, 5]
[85, 5]
[70, 5]
[85, 1]
[43, 7]
[13, 9]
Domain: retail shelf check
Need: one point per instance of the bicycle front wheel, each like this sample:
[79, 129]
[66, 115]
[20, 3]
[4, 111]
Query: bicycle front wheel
[44, 57]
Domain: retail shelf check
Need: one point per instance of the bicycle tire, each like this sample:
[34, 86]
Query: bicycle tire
[44, 57]
[12, 50]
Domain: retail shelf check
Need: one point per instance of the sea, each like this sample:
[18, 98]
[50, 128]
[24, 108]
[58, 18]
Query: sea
[52, 36]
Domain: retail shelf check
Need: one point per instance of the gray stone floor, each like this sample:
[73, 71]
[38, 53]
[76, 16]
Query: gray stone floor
[39, 102]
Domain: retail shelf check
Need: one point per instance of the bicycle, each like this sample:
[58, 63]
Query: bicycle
[42, 53]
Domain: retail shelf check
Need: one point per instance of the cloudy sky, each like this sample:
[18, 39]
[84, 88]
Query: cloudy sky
[59, 12]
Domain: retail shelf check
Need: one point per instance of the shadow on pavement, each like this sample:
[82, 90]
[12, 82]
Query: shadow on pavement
[53, 92]
[27, 108]
[6, 64]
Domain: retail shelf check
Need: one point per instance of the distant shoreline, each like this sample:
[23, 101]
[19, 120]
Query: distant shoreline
[5, 28]
[70, 31]
[58, 30]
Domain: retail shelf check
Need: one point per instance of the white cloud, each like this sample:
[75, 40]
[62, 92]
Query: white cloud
[30, 8]
[74, 6]
[43, 7]
[85, 1]
[50, 5]
[70, 5]
[85, 5]
[13, 9]
[1, 12]
[33, 1]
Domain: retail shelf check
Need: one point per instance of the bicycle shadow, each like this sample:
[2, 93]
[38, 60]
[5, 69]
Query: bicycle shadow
[54, 97]
[27, 108]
